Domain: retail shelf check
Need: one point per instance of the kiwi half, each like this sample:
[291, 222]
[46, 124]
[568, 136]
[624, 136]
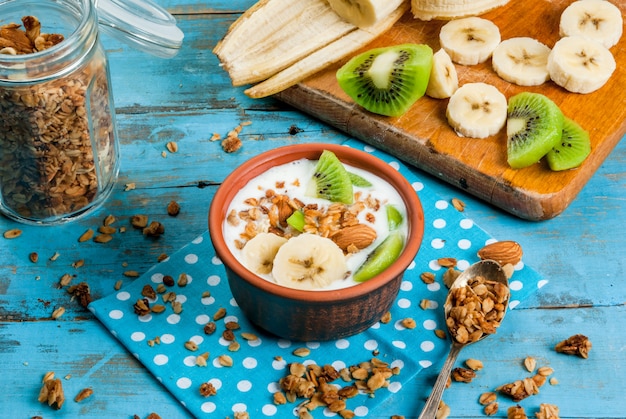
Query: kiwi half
[534, 126]
[387, 81]
[572, 149]
[331, 179]
[381, 257]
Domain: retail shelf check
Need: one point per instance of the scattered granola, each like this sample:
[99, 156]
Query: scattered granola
[463, 375]
[207, 389]
[458, 204]
[52, 392]
[530, 363]
[13, 233]
[173, 208]
[491, 409]
[83, 394]
[516, 412]
[474, 364]
[575, 345]
[547, 411]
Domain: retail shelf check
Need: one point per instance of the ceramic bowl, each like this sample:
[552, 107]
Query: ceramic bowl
[303, 315]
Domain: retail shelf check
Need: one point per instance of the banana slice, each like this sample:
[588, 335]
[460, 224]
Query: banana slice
[364, 13]
[309, 261]
[470, 40]
[444, 79]
[259, 252]
[477, 110]
[599, 20]
[580, 65]
[452, 9]
[522, 61]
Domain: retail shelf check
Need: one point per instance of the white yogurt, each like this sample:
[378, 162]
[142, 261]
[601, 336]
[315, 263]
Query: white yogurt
[296, 176]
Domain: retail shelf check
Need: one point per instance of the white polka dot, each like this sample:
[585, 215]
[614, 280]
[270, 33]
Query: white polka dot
[404, 303]
[283, 343]
[361, 411]
[395, 165]
[369, 149]
[466, 223]
[197, 339]
[191, 258]
[239, 407]
[231, 319]
[202, 319]
[513, 303]
[160, 359]
[434, 287]
[190, 361]
[437, 243]
[116, 314]
[233, 302]
[464, 244]
[183, 383]
[279, 365]
[425, 363]
[208, 407]
[213, 280]
[167, 338]
[542, 283]
[157, 278]
[516, 285]
[123, 296]
[145, 318]
[216, 363]
[398, 363]
[463, 264]
[181, 298]
[399, 344]
[394, 387]
[338, 365]
[441, 204]
[411, 266]
[255, 342]
[216, 261]
[342, 344]
[249, 363]
[137, 336]
[198, 240]
[370, 345]
[269, 409]
[427, 346]
[439, 223]
[313, 345]
[406, 286]
[429, 325]
[417, 186]
[217, 383]
[244, 386]
[273, 387]
[433, 265]
[207, 301]
[173, 319]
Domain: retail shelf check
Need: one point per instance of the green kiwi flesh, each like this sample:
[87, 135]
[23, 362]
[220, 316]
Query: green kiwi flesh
[389, 80]
[394, 217]
[534, 127]
[296, 220]
[572, 149]
[359, 181]
[381, 257]
[331, 179]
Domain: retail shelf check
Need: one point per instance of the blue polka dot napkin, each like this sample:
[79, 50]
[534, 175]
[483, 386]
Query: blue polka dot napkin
[158, 340]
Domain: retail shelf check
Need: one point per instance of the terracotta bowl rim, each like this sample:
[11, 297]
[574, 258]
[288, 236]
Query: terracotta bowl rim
[226, 192]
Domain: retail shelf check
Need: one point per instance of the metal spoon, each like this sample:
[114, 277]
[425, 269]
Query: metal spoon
[491, 271]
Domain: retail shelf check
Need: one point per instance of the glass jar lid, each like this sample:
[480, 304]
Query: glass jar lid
[142, 23]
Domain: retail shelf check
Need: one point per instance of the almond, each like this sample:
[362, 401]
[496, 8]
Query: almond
[503, 252]
[358, 235]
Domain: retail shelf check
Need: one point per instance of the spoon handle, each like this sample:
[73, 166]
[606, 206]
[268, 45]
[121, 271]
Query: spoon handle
[432, 404]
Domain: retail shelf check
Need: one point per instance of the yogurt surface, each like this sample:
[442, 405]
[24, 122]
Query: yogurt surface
[249, 211]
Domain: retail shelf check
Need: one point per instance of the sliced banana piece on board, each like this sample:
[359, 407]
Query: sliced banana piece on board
[364, 13]
[477, 110]
[452, 9]
[259, 252]
[325, 56]
[444, 79]
[309, 261]
[599, 20]
[523, 61]
[580, 65]
[470, 40]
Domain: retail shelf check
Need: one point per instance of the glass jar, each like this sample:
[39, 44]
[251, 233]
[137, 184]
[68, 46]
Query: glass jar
[59, 153]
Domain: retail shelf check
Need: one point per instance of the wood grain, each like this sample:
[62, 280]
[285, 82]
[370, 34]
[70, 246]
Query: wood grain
[423, 138]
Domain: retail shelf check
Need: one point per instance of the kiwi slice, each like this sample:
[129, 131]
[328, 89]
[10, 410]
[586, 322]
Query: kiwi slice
[331, 179]
[296, 220]
[359, 181]
[381, 257]
[573, 148]
[394, 217]
[534, 125]
[388, 80]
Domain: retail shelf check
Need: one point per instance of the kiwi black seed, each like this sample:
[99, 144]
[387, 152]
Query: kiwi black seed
[572, 149]
[331, 179]
[534, 126]
[389, 80]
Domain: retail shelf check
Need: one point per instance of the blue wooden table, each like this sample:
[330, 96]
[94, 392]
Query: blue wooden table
[188, 98]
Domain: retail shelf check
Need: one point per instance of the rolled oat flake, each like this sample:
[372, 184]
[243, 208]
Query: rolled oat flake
[59, 153]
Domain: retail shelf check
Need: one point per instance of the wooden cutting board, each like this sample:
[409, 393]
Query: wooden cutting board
[423, 138]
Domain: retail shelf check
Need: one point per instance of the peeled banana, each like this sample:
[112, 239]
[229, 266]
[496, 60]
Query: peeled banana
[599, 20]
[444, 79]
[259, 252]
[470, 40]
[523, 61]
[309, 261]
[364, 13]
[451, 9]
[280, 42]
